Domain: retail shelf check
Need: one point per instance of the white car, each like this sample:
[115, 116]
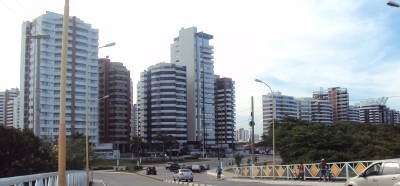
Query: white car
[383, 172]
[183, 174]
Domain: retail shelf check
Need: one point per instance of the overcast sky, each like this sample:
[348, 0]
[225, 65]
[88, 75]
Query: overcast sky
[295, 46]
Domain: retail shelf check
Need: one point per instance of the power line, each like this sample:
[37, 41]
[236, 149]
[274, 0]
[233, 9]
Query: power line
[23, 8]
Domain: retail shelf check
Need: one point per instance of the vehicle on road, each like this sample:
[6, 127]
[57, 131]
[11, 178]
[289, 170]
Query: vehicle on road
[207, 167]
[196, 168]
[182, 165]
[174, 167]
[188, 167]
[151, 170]
[168, 164]
[382, 172]
[202, 168]
[183, 174]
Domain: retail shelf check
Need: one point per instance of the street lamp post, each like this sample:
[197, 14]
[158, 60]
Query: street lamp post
[87, 141]
[86, 98]
[273, 128]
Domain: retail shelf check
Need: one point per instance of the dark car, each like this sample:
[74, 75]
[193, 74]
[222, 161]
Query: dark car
[151, 170]
[202, 168]
[188, 167]
[206, 167]
[174, 166]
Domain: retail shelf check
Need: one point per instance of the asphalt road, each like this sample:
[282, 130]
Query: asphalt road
[126, 179]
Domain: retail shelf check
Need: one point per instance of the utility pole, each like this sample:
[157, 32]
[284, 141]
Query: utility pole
[252, 136]
[36, 126]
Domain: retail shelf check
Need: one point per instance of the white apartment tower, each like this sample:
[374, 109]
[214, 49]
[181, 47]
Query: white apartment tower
[354, 114]
[7, 106]
[41, 72]
[277, 105]
[162, 102]
[315, 111]
[373, 110]
[193, 50]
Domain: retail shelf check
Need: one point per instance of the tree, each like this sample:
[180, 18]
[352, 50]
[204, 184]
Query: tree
[136, 144]
[170, 142]
[163, 138]
[238, 159]
[22, 153]
[76, 152]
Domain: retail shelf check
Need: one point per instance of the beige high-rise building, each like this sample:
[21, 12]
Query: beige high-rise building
[339, 98]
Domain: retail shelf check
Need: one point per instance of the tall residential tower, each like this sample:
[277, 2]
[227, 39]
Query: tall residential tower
[41, 72]
[193, 50]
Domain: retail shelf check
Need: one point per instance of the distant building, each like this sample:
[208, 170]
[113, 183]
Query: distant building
[373, 110]
[115, 111]
[393, 117]
[256, 138]
[225, 112]
[242, 135]
[277, 105]
[7, 106]
[315, 111]
[354, 114]
[339, 99]
[16, 108]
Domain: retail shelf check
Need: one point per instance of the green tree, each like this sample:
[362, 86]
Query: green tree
[238, 159]
[22, 153]
[171, 142]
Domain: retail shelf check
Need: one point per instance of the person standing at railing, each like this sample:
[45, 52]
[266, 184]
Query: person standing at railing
[301, 171]
[322, 169]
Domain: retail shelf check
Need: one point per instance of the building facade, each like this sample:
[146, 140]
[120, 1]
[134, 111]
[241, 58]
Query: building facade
[373, 110]
[225, 112]
[193, 50]
[7, 106]
[277, 105]
[161, 103]
[339, 99]
[242, 135]
[40, 76]
[115, 111]
[16, 123]
[315, 111]
[354, 114]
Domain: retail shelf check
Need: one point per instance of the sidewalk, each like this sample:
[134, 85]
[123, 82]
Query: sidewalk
[228, 176]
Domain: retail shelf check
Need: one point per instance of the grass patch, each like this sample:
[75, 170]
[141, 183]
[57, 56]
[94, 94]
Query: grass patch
[229, 170]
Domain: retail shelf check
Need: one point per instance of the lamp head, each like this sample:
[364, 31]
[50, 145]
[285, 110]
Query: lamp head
[258, 80]
[394, 4]
[109, 44]
[105, 97]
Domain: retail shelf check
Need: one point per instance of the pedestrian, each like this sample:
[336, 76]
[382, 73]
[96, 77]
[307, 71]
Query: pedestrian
[301, 171]
[229, 163]
[322, 169]
[265, 163]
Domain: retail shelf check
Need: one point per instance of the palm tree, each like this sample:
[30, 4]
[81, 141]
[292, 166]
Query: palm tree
[163, 138]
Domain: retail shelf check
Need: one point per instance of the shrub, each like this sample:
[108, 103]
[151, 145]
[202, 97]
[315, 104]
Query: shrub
[137, 167]
[102, 167]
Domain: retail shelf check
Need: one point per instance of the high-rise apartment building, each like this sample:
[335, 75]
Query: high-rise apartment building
[193, 50]
[339, 99]
[315, 111]
[7, 106]
[41, 72]
[225, 112]
[16, 123]
[242, 135]
[277, 105]
[115, 111]
[393, 117]
[354, 114]
[162, 103]
[373, 110]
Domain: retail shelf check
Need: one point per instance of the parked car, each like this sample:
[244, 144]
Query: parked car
[174, 167]
[383, 172]
[183, 174]
[168, 164]
[207, 167]
[196, 168]
[151, 170]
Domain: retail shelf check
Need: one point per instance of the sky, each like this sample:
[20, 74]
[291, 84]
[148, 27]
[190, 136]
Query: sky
[295, 46]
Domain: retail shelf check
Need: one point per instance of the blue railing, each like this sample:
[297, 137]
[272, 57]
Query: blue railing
[74, 178]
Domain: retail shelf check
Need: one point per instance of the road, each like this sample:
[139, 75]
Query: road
[121, 179]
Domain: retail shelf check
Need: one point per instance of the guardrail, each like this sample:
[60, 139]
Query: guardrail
[341, 170]
[74, 178]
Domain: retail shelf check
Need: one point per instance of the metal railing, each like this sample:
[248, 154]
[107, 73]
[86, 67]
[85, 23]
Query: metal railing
[74, 178]
[341, 170]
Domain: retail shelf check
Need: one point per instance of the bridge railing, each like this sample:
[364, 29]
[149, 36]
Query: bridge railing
[74, 178]
[341, 170]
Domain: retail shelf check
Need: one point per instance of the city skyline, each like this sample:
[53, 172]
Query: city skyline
[296, 47]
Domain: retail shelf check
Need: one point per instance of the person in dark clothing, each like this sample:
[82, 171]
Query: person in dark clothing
[322, 169]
